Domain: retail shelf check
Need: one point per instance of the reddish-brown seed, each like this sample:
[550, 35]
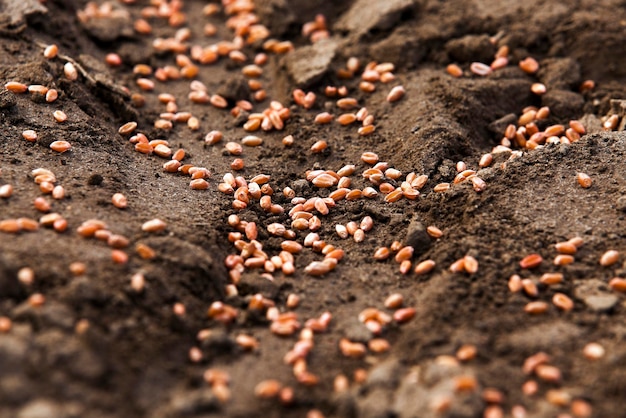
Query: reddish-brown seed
[291, 247]
[406, 253]
[434, 232]
[492, 396]
[454, 70]
[515, 283]
[193, 123]
[581, 409]
[458, 266]
[584, 180]
[531, 261]
[38, 89]
[42, 205]
[405, 266]
[478, 184]
[213, 137]
[577, 127]
[77, 268]
[537, 307]
[538, 89]
[46, 187]
[15, 87]
[425, 267]
[609, 258]
[29, 135]
[366, 130]
[527, 117]
[563, 260]
[404, 315]
[51, 51]
[37, 300]
[441, 187]
[369, 158]
[142, 26]
[352, 349]
[618, 284]
[119, 257]
[251, 141]
[346, 118]
[485, 160]
[396, 94]
[382, 253]
[611, 123]
[119, 201]
[530, 363]
[293, 301]
[465, 383]
[550, 279]
[234, 148]
[127, 128]
[199, 184]
[530, 388]
[113, 60]
[5, 324]
[323, 118]
[267, 389]
[576, 241]
[566, 247]
[394, 301]
[499, 63]
[58, 192]
[529, 65]
[27, 224]
[60, 117]
[493, 411]
[10, 226]
[319, 146]
[378, 345]
[60, 146]
[466, 352]
[143, 148]
[562, 302]
[470, 264]
[145, 252]
[548, 373]
[154, 225]
[530, 288]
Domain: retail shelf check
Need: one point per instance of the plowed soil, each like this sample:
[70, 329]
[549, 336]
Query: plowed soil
[98, 347]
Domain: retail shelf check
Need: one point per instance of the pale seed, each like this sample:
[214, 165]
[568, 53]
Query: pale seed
[593, 351]
[609, 258]
[154, 225]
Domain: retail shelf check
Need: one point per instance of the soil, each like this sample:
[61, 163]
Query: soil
[98, 348]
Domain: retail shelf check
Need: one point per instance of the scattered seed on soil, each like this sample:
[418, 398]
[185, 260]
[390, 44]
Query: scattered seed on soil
[584, 180]
[531, 261]
[154, 225]
[609, 258]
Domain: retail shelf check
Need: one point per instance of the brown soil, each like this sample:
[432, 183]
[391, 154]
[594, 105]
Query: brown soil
[132, 359]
